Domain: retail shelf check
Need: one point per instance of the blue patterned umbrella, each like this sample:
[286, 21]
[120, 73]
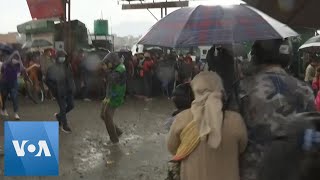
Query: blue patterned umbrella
[208, 25]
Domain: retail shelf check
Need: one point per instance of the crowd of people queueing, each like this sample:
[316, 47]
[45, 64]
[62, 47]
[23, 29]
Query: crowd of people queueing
[261, 128]
[273, 133]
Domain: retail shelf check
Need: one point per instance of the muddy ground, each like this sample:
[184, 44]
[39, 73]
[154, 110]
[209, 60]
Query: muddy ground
[88, 154]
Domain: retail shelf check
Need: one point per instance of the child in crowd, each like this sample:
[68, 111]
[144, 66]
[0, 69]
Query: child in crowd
[182, 97]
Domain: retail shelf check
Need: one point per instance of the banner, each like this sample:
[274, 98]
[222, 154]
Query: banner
[43, 9]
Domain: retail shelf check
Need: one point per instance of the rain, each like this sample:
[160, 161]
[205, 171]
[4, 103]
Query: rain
[160, 89]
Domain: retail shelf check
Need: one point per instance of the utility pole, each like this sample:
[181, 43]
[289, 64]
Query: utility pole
[67, 28]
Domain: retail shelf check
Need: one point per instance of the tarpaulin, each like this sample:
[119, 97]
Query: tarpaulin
[42, 9]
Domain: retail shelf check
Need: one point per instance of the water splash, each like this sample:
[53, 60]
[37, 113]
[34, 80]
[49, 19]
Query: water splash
[92, 62]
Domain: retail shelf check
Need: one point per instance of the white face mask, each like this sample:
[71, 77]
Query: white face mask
[61, 59]
[15, 61]
[284, 49]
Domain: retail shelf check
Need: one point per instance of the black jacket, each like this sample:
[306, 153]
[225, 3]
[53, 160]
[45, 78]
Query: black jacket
[59, 80]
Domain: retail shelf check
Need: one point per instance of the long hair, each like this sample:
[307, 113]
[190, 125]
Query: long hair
[286, 158]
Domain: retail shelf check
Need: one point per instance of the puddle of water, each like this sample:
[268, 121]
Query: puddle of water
[132, 137]
[94, 151]
[91, 152]
[89, 161]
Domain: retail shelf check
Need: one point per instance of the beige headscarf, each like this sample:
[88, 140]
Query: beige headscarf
[207, 106]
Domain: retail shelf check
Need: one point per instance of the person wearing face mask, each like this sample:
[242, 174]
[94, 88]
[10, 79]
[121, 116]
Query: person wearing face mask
[60, 82]
[10, 71]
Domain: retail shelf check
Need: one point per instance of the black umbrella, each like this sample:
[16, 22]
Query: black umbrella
[6, 48]
[312, 45]
[296, 13]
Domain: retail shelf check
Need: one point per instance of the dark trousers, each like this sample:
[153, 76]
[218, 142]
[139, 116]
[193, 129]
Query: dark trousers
[147, 80]
[12, 89]
[85, 89]
[114, 131]
[66, 104]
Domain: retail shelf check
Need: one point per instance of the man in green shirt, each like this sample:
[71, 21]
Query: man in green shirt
[115, 93]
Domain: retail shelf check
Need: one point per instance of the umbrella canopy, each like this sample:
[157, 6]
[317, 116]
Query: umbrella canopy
[154, 48]
[6, 48]
[123, 50]
[312, 45]
[38, 43]
[296, 13]
[207, 25]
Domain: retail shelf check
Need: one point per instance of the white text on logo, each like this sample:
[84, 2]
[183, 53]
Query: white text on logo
[43, 147]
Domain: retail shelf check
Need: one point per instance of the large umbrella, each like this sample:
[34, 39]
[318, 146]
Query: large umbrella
[312, 45]
[6, 48]
[296, 13]
[38, 43]
[154, 48]
[207, 25]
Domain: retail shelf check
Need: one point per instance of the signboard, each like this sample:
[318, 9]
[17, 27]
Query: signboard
[43, 9]
[170, 4]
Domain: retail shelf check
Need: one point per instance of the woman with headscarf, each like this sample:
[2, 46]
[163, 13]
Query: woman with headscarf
[206, 139]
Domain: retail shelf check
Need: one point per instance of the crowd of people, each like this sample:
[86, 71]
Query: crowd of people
[312, 76]
[264, 127]
[228, 125]
[159, 71]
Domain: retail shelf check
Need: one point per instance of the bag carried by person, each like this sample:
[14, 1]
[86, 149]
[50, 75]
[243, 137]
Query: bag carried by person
[173, 171]
[189, 142]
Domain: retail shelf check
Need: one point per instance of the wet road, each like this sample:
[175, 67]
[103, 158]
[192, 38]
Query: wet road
[87, 152]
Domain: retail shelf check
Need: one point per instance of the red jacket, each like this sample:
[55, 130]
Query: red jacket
[316, 84]
[148, 65]
[188, 60]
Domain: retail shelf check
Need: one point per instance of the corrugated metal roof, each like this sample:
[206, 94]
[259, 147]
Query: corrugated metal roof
[9, 38]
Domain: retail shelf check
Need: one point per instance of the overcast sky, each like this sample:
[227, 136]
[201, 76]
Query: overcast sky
[128, 22]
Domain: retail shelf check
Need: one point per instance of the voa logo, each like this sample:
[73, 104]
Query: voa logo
[31, 148]
[42, 145]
